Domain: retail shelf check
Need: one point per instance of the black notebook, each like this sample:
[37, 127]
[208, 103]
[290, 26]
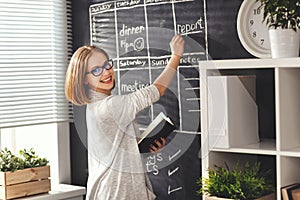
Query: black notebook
[161, 126]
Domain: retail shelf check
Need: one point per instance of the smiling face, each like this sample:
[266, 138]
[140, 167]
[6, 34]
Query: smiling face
[106, 81]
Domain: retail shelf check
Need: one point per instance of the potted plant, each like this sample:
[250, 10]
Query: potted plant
[23, 175]
[248, 182]
[283, 19]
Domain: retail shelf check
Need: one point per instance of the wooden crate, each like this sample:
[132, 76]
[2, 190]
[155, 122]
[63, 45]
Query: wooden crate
[24, 182]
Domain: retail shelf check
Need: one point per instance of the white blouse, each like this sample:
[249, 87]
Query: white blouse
[115, 165]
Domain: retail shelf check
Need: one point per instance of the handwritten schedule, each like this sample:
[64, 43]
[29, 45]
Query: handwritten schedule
[136, 35]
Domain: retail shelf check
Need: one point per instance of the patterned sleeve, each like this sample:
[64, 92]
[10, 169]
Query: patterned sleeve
[125, 107]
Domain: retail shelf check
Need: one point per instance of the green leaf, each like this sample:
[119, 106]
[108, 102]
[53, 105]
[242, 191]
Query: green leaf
[242, 182]
[281, 13]
[27, 159]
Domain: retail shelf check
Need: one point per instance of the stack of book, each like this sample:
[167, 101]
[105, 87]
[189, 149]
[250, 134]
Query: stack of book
[291, 192]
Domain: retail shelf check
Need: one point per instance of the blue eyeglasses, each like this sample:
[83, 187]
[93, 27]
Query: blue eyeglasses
[99, 70]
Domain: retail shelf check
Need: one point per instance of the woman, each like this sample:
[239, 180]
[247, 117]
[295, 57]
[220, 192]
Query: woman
[115, 166]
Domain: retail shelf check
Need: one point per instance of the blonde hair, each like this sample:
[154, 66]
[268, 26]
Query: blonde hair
[75, 89]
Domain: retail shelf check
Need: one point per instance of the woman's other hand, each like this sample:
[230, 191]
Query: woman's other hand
[159, 145]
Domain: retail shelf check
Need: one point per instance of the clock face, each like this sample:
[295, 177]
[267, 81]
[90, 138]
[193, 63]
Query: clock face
[253, 33]
[257, 30]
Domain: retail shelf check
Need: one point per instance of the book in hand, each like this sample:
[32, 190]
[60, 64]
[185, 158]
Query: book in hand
[161, 127]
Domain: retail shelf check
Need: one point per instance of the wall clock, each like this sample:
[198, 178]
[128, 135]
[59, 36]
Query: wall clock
[252, 32]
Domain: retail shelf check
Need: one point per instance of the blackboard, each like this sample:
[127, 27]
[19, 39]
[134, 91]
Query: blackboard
[136, 35]
[222, 43]
[223, 40]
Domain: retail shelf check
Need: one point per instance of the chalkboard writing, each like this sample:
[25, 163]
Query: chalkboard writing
[136, 35]
[175, 181]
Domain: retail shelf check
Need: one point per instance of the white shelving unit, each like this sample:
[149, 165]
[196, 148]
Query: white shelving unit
[284, 149]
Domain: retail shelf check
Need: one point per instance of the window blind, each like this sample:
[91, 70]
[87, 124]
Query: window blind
[35, 46]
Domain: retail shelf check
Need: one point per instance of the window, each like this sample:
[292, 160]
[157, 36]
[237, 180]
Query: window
[35, 46]
[34, 53]
[48, 140]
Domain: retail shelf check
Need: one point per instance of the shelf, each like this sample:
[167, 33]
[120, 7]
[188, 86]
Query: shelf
[266, 147]
[293, 152]
[251, 63]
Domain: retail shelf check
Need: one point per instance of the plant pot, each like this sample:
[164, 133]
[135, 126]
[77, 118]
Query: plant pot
[24, 182]
[266, 197]
[284, 43]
